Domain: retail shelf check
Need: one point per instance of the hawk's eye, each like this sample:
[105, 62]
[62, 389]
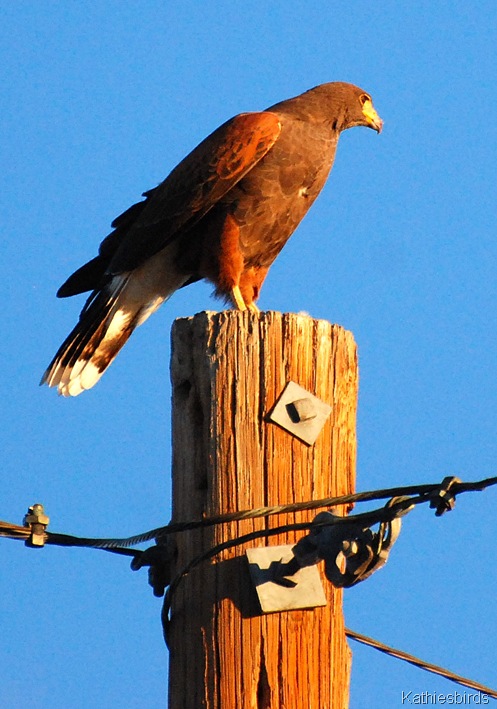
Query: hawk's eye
[364, 99]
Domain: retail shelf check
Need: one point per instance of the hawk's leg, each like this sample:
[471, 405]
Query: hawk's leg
[237, 298]
[239, 302]
[251, 281]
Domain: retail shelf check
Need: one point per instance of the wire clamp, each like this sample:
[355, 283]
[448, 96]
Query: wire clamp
[350, 549]
[37, 521]
[160, 559]
[443, 499]
[286, 577]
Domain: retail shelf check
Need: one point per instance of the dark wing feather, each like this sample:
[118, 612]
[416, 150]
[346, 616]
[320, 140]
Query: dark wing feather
[88, 277]
[128, 217]
[178, 203]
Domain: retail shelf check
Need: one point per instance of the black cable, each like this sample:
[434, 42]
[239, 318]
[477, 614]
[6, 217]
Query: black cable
[422, 664]
[108, 543]
[423, 493]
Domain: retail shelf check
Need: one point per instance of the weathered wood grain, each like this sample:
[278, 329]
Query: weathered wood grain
[227, 371]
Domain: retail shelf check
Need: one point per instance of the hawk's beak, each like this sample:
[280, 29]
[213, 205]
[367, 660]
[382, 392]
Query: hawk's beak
[372, 118]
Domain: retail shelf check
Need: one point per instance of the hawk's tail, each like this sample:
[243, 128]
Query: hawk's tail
[105, 324]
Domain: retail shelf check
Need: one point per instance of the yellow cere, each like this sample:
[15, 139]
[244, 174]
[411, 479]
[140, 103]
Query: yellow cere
[370, 113]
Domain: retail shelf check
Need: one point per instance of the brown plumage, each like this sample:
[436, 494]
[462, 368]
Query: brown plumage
[223, 214]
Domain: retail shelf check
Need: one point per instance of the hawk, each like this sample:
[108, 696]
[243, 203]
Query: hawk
[223, 214]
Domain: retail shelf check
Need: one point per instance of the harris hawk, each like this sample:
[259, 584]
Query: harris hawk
[223, 214]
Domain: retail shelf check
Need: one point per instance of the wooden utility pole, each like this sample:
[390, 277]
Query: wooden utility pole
[228, 369]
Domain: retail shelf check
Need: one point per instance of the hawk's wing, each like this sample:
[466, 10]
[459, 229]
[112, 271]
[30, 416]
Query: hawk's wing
[185, 196]
[136, 270]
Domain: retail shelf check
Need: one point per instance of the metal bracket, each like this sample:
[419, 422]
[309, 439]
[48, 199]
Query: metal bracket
[300, 413]
[350, 549]
[280, 585]
[37, 521]
[443, 499]
[160, 559]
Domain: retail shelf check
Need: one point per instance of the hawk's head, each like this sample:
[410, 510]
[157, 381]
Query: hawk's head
[346, 105]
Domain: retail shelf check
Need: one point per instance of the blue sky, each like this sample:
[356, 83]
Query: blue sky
[100, 100]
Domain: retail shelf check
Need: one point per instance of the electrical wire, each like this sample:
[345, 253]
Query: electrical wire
[424, 491]
[422, 664]
[421, 493]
